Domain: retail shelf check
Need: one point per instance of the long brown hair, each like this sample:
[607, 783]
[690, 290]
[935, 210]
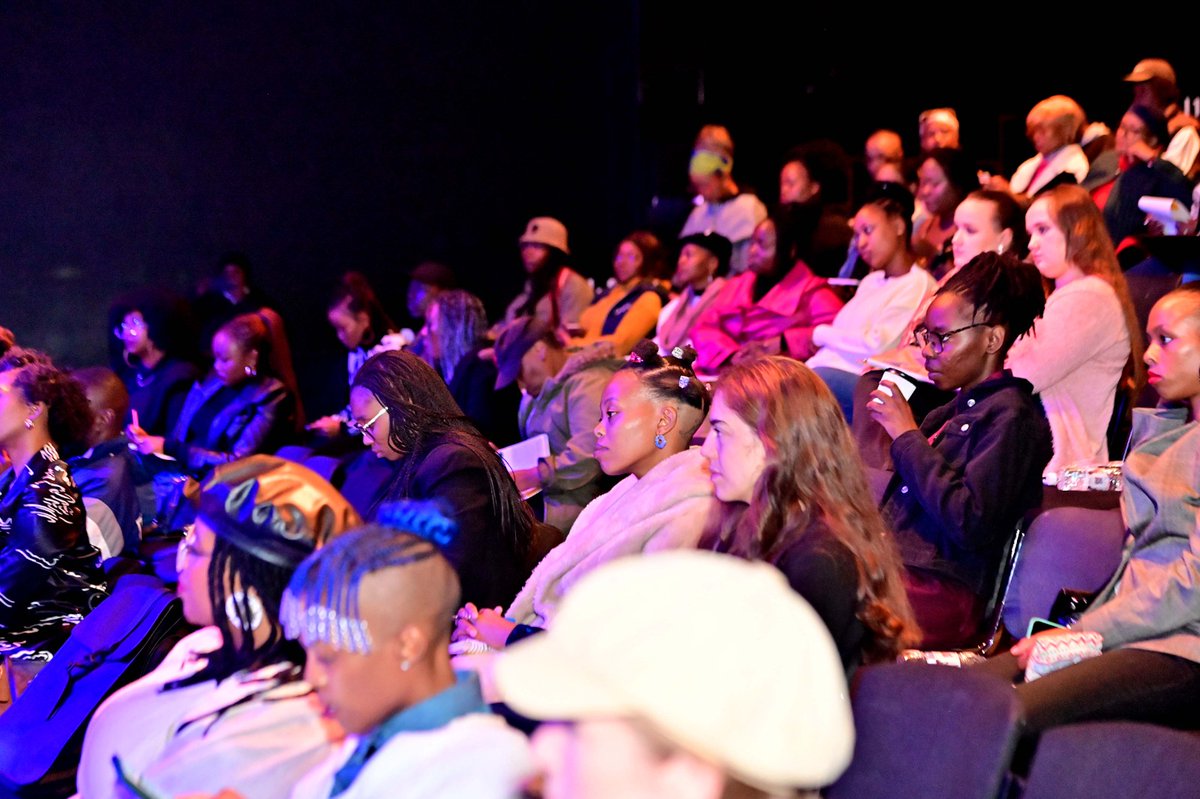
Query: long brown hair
[1090, 248]
[813, 470]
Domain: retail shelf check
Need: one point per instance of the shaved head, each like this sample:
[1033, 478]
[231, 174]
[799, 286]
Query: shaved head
[109, 399]
[424, 594]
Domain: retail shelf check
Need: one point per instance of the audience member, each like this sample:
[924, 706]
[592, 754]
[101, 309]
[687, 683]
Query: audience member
[554, 294]
[651, 409]
[105, 472]
[627, 311]
[986, 221]
[229, 293]
[1053, 126]
[640, 702]
[371, 610]
[357, 316]
[701, 257]
[938, 127]
[1087, 343]
[562, 393]
[241, 408]
[793, 493]
[944, 178]
[968, 473]
[884, 157]
[152, 328]
[228, 705]
[406, 415]
[1154, 85]
[772, 307]
[456, 327]
[814, 188]
[722, 207]
[887, 298]
[1142, 172]
[1150, 666]
[49, 576]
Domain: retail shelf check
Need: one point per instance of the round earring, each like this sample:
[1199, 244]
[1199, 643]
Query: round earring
[251, 371]
[660, 441]
[405, 665]
[233, 610]
[28, 424]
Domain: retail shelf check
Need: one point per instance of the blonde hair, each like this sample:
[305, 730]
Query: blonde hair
[1063, 113]
[813, 471]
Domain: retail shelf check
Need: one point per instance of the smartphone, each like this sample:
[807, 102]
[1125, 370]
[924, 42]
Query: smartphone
[1038, 624]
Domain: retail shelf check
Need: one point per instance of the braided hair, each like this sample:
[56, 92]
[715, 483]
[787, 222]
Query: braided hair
[670, 377]
[1003, 289]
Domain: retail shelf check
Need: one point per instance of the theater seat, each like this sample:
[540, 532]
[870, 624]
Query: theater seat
[926, 731]
[1115, 760]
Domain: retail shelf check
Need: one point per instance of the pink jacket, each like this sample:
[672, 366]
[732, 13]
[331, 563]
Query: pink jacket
[791, 309]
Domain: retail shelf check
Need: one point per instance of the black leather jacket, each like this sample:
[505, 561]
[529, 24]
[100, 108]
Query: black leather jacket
[257, 419]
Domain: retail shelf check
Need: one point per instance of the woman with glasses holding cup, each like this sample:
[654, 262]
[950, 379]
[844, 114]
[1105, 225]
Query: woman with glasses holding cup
[406, 415]
[967, 474]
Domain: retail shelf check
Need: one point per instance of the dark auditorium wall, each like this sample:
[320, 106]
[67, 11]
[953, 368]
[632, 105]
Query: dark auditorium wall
[139, 141]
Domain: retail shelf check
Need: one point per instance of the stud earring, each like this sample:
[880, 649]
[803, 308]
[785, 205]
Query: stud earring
[660, 441]
[251, 371]
[405, 665]
[28, 424]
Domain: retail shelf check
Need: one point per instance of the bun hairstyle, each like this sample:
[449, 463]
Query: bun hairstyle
[1003, 289]
[896, 201]
[670, 376]
[1010, 216]
[69, 416]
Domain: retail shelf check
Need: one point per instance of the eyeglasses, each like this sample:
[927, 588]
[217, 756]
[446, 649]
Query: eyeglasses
[923, 337]
[364, 429]
[188, 549]
[129, 328]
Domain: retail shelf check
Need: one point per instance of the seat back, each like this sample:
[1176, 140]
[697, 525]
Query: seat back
[1107, 760]
[1077, 548]
[925, 731]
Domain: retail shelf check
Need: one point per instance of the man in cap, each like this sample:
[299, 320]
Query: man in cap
[561, 394]
[701, 257]
[1155, 85]
[721, 206]
[682, 675]
[372, 612]
[553, 293]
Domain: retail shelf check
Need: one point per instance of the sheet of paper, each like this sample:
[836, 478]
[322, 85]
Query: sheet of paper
[525, 454]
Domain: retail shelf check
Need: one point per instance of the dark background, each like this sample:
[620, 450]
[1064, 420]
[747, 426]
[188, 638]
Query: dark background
[138, 142]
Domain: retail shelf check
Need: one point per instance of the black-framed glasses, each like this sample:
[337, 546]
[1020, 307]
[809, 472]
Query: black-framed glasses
[936, 342]
[364, 429]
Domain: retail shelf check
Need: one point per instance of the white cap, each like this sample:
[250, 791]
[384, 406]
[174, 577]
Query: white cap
[718, 655]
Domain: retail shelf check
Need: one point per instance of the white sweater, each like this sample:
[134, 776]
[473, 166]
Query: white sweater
[1074, 357]
[873, 321]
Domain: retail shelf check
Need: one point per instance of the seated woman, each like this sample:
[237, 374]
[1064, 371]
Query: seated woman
[1053, 126]
[241, 408]
[814, 183]
[971, 470]
[627, 311]
[944, 178]
[456, 324]
[776, 431]
[1087, 342]
[986, 221]
[772, 307]
[1147, 614]
[554, 294]
[651, 409]
[408, 418]
[228, 705]
[357, 316]
[887, 299]
[49, 572]
[151, 328]
[1141, 138]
